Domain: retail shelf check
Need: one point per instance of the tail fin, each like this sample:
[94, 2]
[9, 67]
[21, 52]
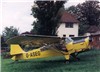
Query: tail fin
[15, 49]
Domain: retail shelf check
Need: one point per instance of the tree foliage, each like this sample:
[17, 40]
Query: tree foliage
[10, 32]
[88, 13]
[46, 14]
[73, 10]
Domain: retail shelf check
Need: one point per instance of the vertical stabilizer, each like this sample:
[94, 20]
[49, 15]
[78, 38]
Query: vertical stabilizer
[15, 49]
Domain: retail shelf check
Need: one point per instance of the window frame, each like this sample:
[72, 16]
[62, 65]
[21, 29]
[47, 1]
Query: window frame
[69, 25]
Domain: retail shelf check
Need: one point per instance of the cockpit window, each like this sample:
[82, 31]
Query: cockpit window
[68, 40]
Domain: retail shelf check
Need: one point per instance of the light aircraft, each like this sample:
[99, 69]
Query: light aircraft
[47, 46]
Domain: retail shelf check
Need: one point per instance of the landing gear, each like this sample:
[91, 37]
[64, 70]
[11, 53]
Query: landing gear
[67, 59]
[75, 56]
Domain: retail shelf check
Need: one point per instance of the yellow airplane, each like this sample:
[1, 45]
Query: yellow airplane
[47, 46]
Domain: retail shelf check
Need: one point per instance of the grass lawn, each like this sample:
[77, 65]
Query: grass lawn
[90, 62]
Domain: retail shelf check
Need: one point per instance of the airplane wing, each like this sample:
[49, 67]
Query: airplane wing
[94, 39]
[33, 39]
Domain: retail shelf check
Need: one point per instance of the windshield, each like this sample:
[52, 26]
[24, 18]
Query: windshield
[68, 40]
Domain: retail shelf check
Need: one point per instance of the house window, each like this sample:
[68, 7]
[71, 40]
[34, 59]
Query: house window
[64, 36]
[71, 35]
[69, 25]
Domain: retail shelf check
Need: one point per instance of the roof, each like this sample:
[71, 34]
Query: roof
[67, 17]
[93, 29]
[26, 32]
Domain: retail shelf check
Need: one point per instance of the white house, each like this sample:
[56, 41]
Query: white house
[69, 25]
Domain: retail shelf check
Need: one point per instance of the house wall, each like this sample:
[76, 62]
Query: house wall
[62, 30]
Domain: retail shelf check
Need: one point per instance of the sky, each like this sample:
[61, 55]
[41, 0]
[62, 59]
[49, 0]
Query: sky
[17, 13]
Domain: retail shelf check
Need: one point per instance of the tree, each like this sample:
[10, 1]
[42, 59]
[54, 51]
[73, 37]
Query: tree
[10, 32]
[46, 14]
[3, 44]
[88, 13]
[73, 10]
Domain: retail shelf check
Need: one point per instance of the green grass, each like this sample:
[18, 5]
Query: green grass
[90, 62]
